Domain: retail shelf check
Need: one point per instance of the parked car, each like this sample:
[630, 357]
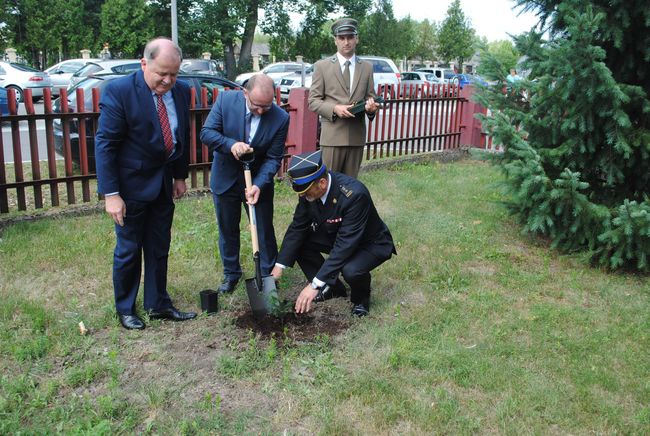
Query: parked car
[414, 80]
[274, 71]
[442, 74]
[467, 79]
[116, 66]
[294, 80]
[384, 73]
[4, 102]
[20, 77]
[61, 73]
[100, 81]
[201, 66]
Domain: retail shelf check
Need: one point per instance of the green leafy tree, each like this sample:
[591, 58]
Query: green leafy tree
[10, 33]
[39, 39]
[236, 21]
[314, 38]
[456, 36]
[126, 26]
[277, 23]
[380, 34]
[426, 40]
[577, 132]
[71, 36]
[504, 52]
[195, 35]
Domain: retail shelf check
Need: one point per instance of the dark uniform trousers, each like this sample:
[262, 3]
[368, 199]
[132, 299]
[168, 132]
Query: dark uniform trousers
[356, 271]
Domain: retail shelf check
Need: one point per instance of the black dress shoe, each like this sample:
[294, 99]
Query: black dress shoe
[131, 322]
[171, 313]
[361, 309]
[227, 286]
[336, 291]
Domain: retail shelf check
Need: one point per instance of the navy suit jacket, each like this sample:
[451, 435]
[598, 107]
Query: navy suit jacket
[225, 125]
[129, 146]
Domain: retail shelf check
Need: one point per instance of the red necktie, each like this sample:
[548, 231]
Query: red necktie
[164, 125]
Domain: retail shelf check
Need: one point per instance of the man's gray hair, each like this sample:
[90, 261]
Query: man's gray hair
[152, 49]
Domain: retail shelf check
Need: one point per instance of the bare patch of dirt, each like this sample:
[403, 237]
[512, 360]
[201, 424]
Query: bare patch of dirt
[297, 328]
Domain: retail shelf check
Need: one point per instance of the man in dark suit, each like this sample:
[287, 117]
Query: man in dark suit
[242, 123]
[335, 215]
[338, 82]
[141, 150]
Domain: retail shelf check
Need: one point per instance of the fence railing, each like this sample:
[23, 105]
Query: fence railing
[45, 156]
[416, 119]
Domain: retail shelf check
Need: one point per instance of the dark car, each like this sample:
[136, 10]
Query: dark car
[4, 102]
[201, 66]
[100, 81]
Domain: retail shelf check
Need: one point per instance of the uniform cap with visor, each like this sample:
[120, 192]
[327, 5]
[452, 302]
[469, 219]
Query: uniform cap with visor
[344, 26]
[304, 169]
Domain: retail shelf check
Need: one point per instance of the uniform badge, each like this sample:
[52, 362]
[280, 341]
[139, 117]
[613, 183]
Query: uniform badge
[347, 192]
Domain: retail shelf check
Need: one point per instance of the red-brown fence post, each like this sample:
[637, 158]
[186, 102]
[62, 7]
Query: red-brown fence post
[303, 123]
[470, 125]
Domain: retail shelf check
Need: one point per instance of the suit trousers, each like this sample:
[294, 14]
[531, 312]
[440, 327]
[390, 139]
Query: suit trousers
[228, 207]
[343, 159]
[356, 271]
[147, 229]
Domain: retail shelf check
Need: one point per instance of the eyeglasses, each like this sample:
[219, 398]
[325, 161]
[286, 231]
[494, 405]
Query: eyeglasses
[252, 105]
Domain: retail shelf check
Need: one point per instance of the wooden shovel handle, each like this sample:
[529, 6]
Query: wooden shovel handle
[251, 212]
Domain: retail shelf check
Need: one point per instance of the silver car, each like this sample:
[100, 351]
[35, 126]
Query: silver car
[416, 82]
[201, 66]
[119, 66]
[20, 77]
[275, 71]
[61, 73]
[295, 80]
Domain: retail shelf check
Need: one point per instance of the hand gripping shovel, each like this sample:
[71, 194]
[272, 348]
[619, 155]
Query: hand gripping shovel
[261, 290]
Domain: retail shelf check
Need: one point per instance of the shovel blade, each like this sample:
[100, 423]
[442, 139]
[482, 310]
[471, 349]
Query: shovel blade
[261, 300]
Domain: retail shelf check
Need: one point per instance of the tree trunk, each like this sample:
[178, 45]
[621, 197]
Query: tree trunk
[249, 34]
[229, 59]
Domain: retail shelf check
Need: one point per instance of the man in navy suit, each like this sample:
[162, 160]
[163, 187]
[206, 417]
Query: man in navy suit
[141, 150]
[243, 122]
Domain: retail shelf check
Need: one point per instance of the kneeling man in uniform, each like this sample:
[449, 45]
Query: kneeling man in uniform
[335, 215]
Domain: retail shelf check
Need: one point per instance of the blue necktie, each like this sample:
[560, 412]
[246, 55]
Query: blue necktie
[247, 128]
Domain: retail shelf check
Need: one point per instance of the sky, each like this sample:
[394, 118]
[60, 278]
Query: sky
[493, 19]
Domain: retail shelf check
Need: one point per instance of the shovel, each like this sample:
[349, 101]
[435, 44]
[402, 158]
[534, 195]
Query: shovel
[261, 290]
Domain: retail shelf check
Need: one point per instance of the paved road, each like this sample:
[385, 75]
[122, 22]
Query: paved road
[7, 139]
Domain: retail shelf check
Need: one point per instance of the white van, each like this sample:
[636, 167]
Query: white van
[443, 75]
[385, 72]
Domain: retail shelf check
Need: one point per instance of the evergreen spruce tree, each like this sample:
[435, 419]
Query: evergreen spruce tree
[577, 129]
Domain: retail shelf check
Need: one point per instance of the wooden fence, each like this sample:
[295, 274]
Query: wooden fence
[415, 119]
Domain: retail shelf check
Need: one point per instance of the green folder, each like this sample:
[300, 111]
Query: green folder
[361, 106]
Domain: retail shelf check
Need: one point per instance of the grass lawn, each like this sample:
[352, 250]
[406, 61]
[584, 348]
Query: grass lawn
[474, 328]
